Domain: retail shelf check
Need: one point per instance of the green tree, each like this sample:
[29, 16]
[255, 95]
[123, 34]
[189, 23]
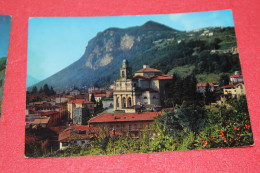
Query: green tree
[224, 80]
[93, 98]
[34, 90]
[46, 89]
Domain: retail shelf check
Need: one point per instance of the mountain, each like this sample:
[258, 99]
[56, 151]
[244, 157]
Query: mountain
[152, 43]
[31, 81]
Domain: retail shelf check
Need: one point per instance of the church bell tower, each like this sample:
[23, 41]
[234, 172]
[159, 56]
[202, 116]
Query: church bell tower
[125, 71]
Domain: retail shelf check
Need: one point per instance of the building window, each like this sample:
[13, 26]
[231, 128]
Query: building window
[129, 102]
[124, 126]
[130, 126]
[135, 126]
[145, 97]
[154, 97]
[123, 73]
[117, 127]
[124, 102]
[82, 142]
[117, 102]
[141, 126]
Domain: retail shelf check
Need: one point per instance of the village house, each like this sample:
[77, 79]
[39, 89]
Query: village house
[80, 115]
[74, 92]
[201, 87]
[61, 99]
[147, 86]
[55, 118]
[81, 103]
[235, 90]
[37, 120]
[93, 88]
[236, 78]
[60, 109]
[131, 123]
[75, 134]
[236, 87]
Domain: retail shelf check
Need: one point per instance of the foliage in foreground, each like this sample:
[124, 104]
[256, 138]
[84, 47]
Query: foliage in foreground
[187, 128]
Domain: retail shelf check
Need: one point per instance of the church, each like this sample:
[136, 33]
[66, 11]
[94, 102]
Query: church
[146, 87]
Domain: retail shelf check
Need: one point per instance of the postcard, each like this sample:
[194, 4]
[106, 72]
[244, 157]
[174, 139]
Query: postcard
[5, 28]
[134, 84]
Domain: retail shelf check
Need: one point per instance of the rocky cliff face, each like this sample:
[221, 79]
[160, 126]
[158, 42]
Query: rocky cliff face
[104, 54]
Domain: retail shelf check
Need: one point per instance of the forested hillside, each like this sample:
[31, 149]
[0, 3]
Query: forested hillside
[207, 53]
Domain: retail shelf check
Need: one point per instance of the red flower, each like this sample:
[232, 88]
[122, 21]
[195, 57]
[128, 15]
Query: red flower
[235, 128]
[222, 131]
[247, 126]
[239, 134]
[205, 143]
[203, 139]
[212, 138]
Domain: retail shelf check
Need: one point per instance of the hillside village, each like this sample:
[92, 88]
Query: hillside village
[127, 109]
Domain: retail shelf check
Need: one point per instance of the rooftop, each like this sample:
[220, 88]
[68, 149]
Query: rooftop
[81, 101]
[155, 77]
[232, 85]
[236, 76]
[124, 117]
[148, 70]
[204, 84]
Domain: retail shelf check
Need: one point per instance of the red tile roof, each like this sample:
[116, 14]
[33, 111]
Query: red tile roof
[42, 120]
[156, 77]
[232, 85]
[204, 84]
[147, 70]
[48, 113]
[96, 92]
[236, 76]
[123, 117]
[81, 96]
[162, 77]
[77, 132]
[102, 95]
[81, 101]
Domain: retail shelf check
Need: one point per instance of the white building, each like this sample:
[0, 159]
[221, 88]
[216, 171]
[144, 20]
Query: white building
[147, 86]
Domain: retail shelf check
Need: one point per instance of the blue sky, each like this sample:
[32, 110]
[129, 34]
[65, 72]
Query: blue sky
[5, 27]
[56, 42]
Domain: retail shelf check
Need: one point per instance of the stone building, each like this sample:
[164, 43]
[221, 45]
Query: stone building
[79, 103]
[80, 115]
[146, 87]
[201, 87]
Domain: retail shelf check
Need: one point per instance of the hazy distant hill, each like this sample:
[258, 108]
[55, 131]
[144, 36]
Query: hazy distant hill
[31, 81]
[152, 43]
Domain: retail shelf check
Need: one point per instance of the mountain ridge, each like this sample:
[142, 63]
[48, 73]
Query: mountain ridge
[151, 43]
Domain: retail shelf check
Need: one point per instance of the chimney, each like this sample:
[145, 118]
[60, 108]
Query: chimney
[146, 66]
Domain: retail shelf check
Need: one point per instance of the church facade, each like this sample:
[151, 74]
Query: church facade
[146, 87]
